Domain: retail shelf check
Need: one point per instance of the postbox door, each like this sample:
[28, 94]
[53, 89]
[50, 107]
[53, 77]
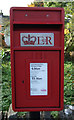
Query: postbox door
[22, 62]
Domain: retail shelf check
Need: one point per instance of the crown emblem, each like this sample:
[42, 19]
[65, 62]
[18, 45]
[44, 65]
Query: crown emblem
[29, 41]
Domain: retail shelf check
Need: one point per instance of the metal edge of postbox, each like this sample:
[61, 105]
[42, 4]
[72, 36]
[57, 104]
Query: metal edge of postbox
[12, 60]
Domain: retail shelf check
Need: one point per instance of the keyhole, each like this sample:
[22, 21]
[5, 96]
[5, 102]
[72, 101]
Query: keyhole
[23, 81]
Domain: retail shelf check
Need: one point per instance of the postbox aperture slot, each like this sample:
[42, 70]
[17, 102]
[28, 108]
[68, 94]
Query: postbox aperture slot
[54, 30]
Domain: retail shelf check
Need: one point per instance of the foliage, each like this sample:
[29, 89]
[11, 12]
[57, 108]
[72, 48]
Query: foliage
[68, 92]
[6, 81]
[36, 4]
[19, 114]
[54, 113]
[5, 54]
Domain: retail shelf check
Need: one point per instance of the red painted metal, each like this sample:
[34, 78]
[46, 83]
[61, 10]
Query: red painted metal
[37, 20]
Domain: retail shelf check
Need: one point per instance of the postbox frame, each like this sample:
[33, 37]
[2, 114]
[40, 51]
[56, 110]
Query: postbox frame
[13, 49]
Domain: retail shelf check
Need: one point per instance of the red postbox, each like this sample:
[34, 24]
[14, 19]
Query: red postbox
[37, 58]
